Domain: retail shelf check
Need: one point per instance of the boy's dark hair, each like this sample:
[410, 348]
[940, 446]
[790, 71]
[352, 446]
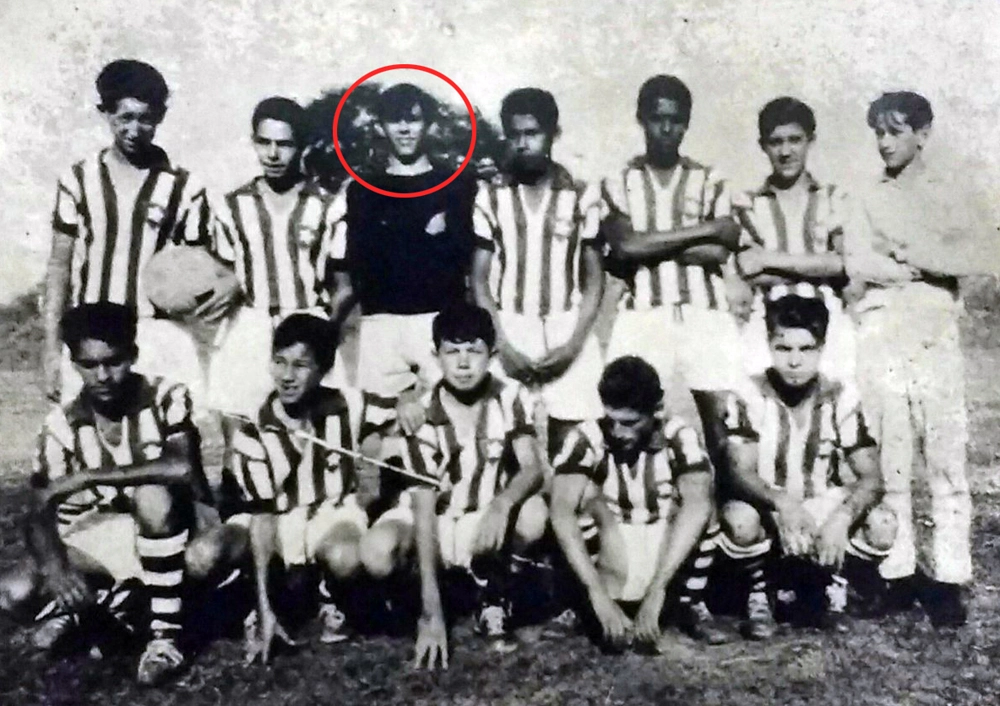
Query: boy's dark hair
[128, 78]
[284, 110]
[661, 86]
[396, 103]
[785, 111]
[317, 334]
[115, 324]
[630, 382]
[915, 108]
[794, 311]
[464, 323]
[536, 102]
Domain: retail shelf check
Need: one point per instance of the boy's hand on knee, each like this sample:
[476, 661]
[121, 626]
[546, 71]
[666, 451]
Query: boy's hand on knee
[67, 586]
[492, 531]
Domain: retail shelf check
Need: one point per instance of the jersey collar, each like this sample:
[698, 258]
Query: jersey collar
[767, 189]
[328, 403]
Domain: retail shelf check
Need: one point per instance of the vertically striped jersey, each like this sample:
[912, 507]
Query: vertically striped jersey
[640, 492]
[801, 456]
[694, 194]
[70, 441]
[280, 244]
[537, 249]
[472, 469]
[276, 468]
[816, 228]
[116, 234]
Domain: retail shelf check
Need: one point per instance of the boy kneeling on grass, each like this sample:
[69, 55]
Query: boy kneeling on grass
[791, 433]
[639, 484]
[117, 484]
[286, 483]
[478, 451]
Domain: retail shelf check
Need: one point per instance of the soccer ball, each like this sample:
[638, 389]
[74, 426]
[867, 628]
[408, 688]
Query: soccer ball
[180, 278]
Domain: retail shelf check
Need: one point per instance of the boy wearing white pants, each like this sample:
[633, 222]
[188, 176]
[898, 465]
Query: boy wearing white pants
[790, 432]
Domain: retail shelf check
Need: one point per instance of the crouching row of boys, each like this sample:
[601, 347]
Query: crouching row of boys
[120, 496]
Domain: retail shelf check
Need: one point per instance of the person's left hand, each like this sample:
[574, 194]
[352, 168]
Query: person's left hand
[832, 539]
[751, 262]
[492, 527]
[647, 620]
[269, 630]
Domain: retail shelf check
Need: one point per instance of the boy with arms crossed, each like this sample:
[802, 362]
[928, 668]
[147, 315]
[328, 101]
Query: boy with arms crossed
[116, 481]
[923, 237]
[478, 445]
[669, 229]
[297, 497]
[636, 462]
[790, 431]
[537, 266]
[794, 229]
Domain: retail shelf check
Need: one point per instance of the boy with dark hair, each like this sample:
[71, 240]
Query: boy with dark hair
[537, 266]
[790, 432]
[669, 232]
[285, 481]
[277, 233]
[636, 461]
[923, 237]
[115, 482]
[111, 215]
[478, 452]
[793, 237]
[404, 259]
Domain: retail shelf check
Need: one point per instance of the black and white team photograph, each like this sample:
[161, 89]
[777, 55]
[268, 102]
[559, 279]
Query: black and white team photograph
[414, 352]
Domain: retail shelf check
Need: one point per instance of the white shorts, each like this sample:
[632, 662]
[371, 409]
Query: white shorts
[239, 373]
[572, 396]
[456, 533]
[703, 345]
[107, 539]
[301, 530]
[838, 361]
[395, 352]
[642, 545]
[166, 349]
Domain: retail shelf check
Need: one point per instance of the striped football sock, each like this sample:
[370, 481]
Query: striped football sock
[162, 560]
[698, 566]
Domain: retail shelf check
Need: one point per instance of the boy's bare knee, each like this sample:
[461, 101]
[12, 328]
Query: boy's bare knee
[880, 528]
[341, 558]
[378, 551]
[742, 524]
[532, 519]
[155, 509]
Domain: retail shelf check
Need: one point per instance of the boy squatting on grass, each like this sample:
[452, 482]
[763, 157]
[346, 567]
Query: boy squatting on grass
[117, 484]
[790, 433]
[298, 498]
[639, 483]
[478, 442]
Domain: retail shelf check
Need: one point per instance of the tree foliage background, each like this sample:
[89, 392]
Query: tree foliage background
[366, 150]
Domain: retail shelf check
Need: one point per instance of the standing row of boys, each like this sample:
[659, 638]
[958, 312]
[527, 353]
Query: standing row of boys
[490, 422]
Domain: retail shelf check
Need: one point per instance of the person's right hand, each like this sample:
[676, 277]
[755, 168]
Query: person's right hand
[432, 642]
[795, 527]
[516, 364]
[615, 625]
[67, 586]
[52, 374]
[269, 631]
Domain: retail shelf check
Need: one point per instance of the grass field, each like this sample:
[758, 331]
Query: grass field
[899, 660]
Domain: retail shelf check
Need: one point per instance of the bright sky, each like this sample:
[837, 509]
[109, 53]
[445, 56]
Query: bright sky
[220, 57]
